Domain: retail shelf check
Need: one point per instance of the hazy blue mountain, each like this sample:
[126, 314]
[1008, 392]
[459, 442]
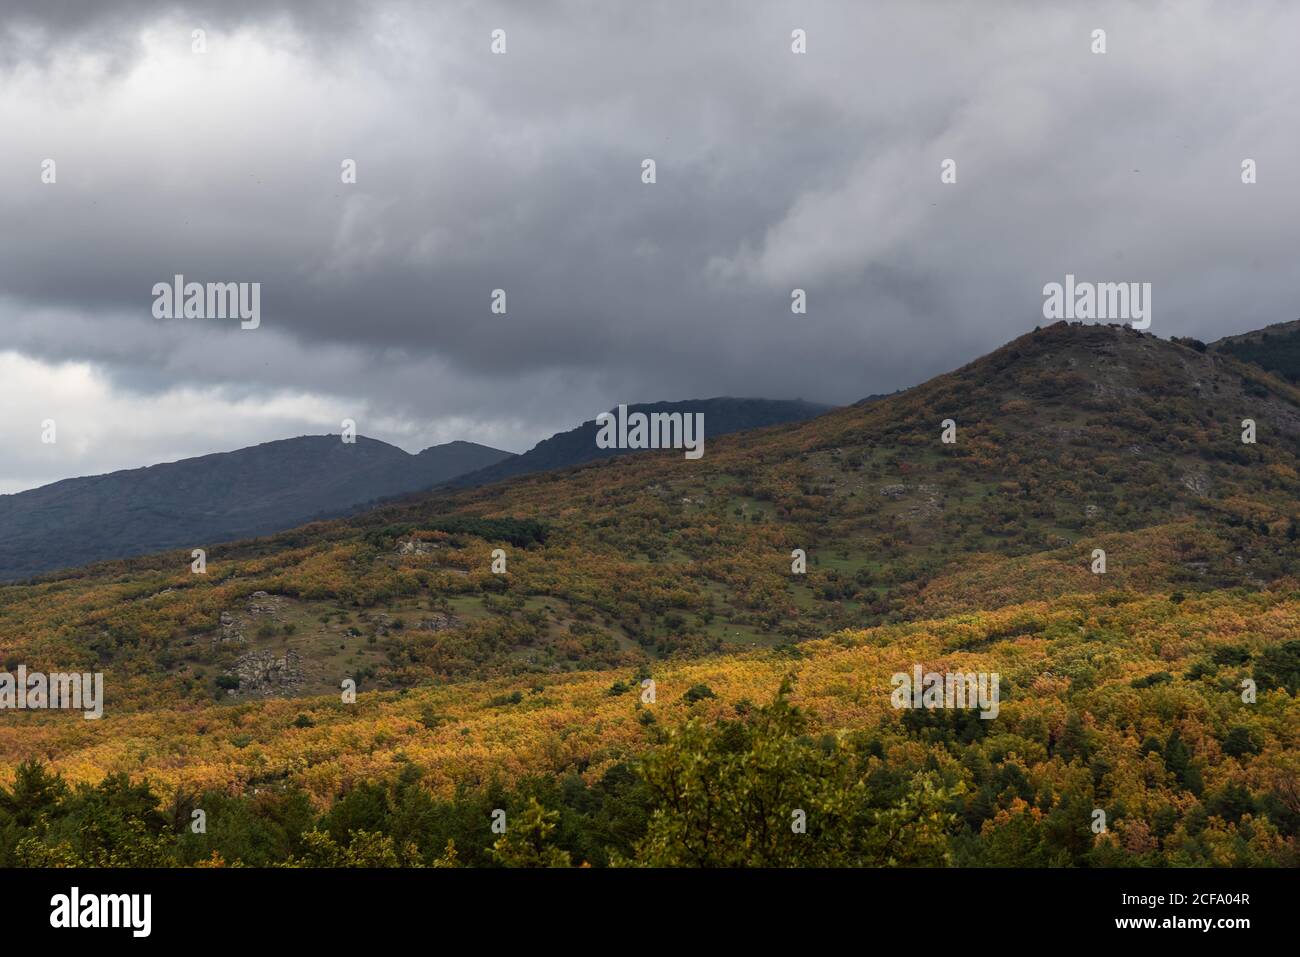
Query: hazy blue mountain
[200, 501]
[578, 445]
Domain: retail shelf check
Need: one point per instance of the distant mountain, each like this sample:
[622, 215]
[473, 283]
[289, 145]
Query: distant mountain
[876, 397]
[578, 446]
[1274, 348]
[200, 501]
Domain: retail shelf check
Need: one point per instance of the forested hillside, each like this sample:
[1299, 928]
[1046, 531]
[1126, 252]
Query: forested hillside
[523, 688]
[1275, 349]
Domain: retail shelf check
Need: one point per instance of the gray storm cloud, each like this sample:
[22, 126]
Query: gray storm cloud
[478, 171]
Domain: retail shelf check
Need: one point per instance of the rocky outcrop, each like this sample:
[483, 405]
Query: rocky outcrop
[265, 673]
[264, 603]
[439, 621]
[229, 630]
[230, 626]
[415, 546]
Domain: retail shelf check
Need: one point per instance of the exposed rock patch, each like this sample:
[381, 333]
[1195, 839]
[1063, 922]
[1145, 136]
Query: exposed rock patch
[266, 673]
[263, 603]
[439, 622]
[898, 491]
[416, 546]
[229, 630]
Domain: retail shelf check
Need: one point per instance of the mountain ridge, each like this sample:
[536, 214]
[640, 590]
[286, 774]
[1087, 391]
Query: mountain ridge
[577, 446]
[1066, 436]
[1274, 348]
[129, 512]
[218, 497]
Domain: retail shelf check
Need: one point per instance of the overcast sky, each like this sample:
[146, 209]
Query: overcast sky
[523, 172]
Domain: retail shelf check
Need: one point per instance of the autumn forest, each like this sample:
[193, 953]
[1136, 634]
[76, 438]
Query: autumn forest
[655, 661]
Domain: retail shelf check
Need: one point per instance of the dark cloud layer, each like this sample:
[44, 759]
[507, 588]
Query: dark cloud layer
[522, 172]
